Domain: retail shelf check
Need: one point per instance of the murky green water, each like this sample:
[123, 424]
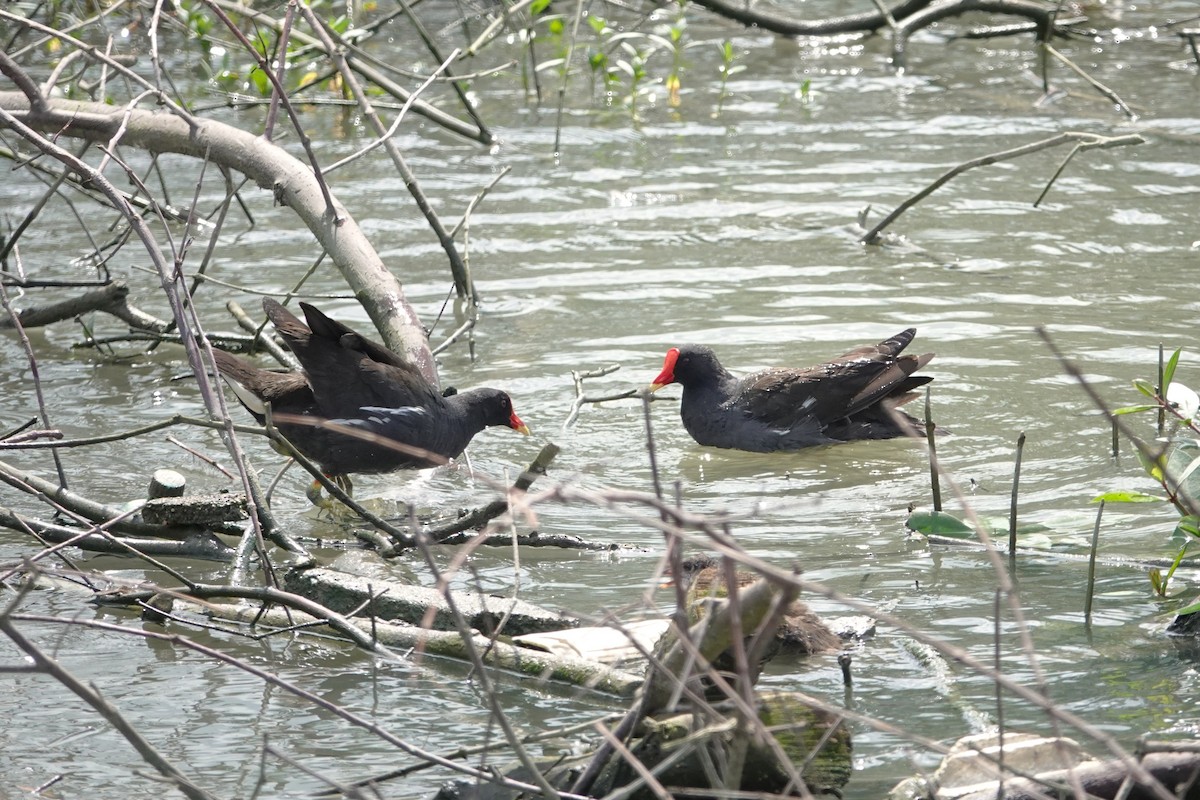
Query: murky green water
[736, 231]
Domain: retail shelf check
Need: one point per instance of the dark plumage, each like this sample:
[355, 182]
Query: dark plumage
[391, 417]
[851, 397]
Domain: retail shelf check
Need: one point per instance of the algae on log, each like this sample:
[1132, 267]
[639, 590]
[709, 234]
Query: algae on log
[711, 636]
[816, 743]
[681, 752]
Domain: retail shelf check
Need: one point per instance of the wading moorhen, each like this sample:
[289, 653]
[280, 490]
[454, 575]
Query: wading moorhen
[853, 396]
[368, 410]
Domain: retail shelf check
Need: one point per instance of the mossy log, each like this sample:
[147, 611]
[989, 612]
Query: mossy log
[682, 750]
[712, 635]
[682, 753]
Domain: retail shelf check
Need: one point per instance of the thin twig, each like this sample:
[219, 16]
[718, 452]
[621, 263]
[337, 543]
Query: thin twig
[1095, 84]
[1086, 141]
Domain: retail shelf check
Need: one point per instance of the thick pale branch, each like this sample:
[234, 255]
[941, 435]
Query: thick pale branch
[271, 167]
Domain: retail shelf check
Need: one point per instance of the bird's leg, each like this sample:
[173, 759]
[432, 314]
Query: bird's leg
[315, 496]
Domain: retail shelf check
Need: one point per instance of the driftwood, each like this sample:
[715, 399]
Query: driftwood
[110, 297]
[703, 748]
[114, 519]
[1104, 780]
[271, 167]
[200, 510]
[189, 544]
[420, 605]
[449, 644]
[904, 18]
[680, 752]
[747, 14]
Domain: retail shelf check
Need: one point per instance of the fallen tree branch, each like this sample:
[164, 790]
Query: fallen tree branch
[110, 298]
[750, 16]
[271, 167]
[193, 545]
[1042, 16]
[98, 513]
[485, 514]
[449, 644]
[1084, 141]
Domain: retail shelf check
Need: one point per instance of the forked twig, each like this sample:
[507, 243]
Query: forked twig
[1085, 141]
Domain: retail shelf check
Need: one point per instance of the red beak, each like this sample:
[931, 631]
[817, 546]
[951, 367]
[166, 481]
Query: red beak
[515, 423]
[668, 371]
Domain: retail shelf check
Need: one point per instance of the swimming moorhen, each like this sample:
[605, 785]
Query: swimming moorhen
[851, 397]
[368, 409]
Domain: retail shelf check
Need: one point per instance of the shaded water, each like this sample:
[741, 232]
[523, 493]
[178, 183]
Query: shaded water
[736, 231]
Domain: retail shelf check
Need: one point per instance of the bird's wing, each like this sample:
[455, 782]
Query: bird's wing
[347, 370]
[403, 430]
[287, 392]
[839, 388]
[349, 339]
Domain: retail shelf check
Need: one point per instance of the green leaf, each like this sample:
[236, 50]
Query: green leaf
[1128, 497]
[1156, 582]
[261, 82]
[1169, 370]
[1153, 467]
[1175, 564]
[1145, 387]
[1192, 609]
[1188, 526]
[939, 523]
[1134, 409]
[1182, 463]
[538, 6]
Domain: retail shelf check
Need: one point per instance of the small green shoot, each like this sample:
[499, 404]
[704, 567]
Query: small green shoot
[1173, 461]
[727, 70]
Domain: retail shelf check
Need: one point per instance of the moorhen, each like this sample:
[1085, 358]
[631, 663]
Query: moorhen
[801, 632]
[853, 396]
[390, 417]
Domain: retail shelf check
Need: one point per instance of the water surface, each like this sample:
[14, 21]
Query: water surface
[735, 230]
